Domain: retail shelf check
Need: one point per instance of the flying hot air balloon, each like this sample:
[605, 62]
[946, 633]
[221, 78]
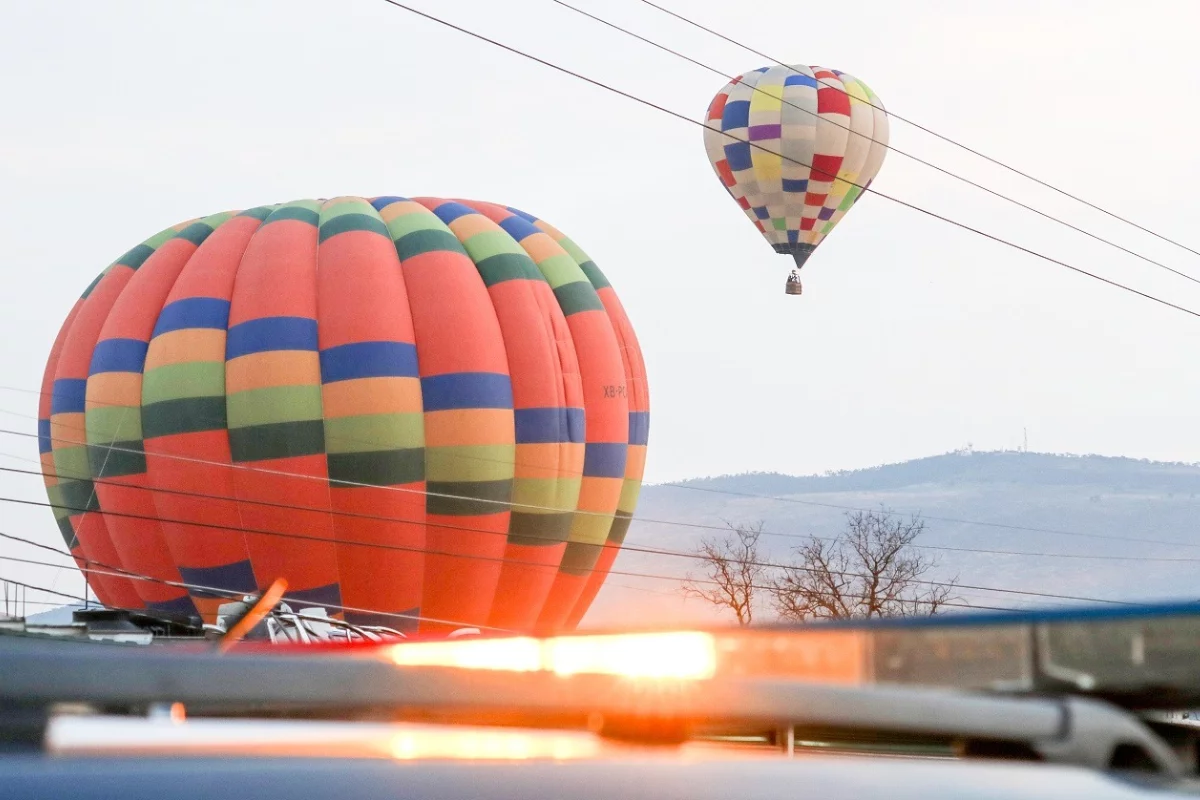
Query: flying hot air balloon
[796, 147]
[409, 409]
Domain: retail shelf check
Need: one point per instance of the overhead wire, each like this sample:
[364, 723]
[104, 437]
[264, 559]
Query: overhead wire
[64, 595]
[954, 520]
[632, 548]
[997, 162]
[341, 513]
[680, 116]
[536, 507]
[504, 505]
[648, 590]
[887, 145]
[451, 526]
[652, 551]
[119, 572]
[758, 146]
[894, 199]
[504, 560]
[52, 604]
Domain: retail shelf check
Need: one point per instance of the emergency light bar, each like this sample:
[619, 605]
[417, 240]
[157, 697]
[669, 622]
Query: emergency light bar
[1149, 656]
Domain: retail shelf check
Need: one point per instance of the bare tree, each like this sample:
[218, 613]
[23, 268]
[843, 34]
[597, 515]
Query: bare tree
[869, 570]
[733, 572]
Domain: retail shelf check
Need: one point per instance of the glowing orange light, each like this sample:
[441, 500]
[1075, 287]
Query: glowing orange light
[514, 655]
[480, 744]
[683, 655]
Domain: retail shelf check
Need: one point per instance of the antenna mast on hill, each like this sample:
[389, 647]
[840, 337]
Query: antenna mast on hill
[1025, 436]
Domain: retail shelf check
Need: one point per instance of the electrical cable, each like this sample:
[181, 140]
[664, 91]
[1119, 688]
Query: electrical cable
[234, 595]
[534, 507]
[333, 512]
[503, 560]
[760, 147]
[935, 134]
[117, 572]
[886, 145]
[505, 505]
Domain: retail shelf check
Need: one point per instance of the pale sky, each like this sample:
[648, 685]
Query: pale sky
[912, 338]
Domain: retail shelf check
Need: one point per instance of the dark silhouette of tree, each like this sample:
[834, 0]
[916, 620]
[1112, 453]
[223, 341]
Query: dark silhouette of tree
[733, 572]
[869, 570]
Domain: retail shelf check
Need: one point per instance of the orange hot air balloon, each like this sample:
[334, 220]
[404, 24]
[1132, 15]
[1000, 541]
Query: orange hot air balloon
[408, 409]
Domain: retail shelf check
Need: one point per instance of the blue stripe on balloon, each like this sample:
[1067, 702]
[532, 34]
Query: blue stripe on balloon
[193, 312]
[118, 355]
[270, 334]
[549, 425]
[45, 445]
[180, 605]
[458, 390]
[328, 596]
[518, 227]
[604, 460]
[448, 212]
[69, 396]
[639, 427]
[220, 580]
[369, 360]
[380, 203]
[522, 214]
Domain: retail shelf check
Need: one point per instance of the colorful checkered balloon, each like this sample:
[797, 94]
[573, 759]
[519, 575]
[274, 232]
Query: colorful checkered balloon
[795, 147]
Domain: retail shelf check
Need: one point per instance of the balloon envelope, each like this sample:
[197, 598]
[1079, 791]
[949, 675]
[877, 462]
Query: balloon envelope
[411, 409]
[795, 147]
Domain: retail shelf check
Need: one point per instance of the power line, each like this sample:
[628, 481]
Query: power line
[57, 603]
[933, 133]
[954, 520]
[894, 199]
[137, 576]
[503, 560]
[891, 147]
[676, 523]
[767, 588]
[631, 548]
[332, 512]
[500, 504]
[505, 505]
[118, 572]
[4, 579]
[762, 148]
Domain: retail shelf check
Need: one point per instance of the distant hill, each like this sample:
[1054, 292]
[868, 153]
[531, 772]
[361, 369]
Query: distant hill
[1047, 504]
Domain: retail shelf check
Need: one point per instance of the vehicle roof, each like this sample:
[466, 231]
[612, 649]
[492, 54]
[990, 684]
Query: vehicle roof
[826, 777]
